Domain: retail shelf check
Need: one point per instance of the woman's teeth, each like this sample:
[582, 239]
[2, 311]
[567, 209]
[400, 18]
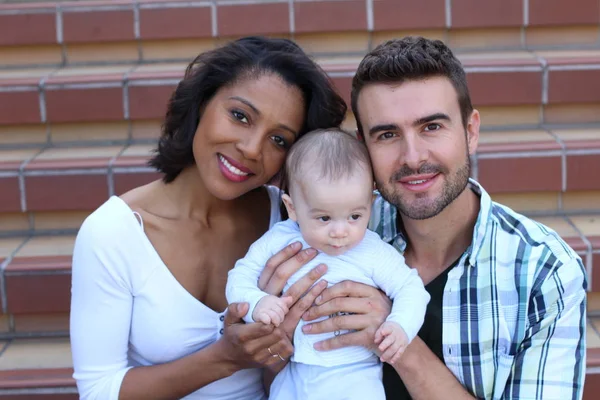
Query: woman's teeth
[231, 168]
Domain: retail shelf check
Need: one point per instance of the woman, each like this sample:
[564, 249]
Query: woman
[148, 306]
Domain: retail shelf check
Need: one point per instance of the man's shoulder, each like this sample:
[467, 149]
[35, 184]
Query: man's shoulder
[526, 235]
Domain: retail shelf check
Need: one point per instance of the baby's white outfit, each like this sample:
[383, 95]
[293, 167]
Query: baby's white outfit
[350, 372]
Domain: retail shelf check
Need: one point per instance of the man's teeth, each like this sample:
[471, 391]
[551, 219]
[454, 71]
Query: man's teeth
[231, 168]
[417, 182]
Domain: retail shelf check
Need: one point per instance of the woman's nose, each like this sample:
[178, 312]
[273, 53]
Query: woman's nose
[251, 146]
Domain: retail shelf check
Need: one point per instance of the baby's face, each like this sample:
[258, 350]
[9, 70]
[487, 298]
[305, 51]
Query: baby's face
[333, 216]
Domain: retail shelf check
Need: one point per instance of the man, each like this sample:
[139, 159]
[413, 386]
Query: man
[507, 314]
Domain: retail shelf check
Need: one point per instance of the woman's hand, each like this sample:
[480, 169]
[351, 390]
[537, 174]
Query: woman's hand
[369, 307]
[252, 345]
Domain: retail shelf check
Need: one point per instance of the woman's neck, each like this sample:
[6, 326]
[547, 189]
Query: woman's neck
[188, 198]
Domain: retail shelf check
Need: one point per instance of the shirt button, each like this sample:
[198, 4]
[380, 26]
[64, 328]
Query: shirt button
[222, 318]
[336, 333]
[221, 331]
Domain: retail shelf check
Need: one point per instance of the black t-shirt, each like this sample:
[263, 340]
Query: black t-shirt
[430, 333]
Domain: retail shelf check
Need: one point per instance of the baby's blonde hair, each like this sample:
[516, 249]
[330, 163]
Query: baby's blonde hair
[329, 154]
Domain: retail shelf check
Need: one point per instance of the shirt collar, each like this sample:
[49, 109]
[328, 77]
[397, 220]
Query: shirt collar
[384, 215]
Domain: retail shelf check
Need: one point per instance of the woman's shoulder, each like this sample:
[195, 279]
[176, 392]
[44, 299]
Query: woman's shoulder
[111, 223]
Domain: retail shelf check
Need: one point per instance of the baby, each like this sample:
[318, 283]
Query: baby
[329, 205]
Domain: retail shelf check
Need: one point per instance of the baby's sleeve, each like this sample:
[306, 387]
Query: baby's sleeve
[242, 280]
[403, 285]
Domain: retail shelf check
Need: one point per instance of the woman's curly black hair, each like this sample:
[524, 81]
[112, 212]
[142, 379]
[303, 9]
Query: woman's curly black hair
[246, 57]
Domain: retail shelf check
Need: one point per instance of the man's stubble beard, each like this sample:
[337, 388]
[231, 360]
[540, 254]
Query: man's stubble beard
[453, 187]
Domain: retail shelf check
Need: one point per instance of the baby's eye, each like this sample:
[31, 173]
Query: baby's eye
[324, 219]
[355, 217]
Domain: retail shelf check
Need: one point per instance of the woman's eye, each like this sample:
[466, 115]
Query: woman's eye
[355, 217]
[324, 219]
[240, 116]
[432, 127]
[279, 141]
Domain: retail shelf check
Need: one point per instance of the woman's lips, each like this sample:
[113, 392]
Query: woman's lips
[232, 170]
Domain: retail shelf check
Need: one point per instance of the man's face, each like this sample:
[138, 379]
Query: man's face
[418, 144]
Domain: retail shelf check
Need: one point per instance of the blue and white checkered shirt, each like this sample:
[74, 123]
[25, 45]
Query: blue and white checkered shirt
[514, 306]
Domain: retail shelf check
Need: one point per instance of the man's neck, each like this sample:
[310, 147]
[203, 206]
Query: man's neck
[435, 243]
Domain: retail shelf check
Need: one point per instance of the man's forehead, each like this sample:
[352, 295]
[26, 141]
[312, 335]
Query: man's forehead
[407, 102]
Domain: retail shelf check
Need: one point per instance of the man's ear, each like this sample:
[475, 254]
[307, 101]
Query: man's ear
[473, 131]
[289, 205]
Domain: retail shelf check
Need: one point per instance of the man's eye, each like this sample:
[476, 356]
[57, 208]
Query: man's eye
[355, 217]
[387, 135]
[240, 116]
[432, 127]
[324, 219]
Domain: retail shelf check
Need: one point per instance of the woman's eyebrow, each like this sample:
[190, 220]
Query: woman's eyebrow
[246, 102]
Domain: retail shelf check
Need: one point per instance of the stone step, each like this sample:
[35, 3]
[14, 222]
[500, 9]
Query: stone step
[541, 171]
[511, 89]
[56, 33]
[37, 274]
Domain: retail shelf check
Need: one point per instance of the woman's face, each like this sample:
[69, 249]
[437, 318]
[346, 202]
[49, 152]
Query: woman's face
[245, 132]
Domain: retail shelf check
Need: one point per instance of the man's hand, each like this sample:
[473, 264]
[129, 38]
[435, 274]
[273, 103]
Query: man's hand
[369, 308]
[271, 309]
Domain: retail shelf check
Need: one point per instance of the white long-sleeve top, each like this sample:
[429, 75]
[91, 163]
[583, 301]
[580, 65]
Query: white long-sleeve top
[128, 310]
[372, 262]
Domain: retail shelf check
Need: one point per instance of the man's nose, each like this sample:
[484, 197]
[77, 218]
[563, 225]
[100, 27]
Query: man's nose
[415, 151]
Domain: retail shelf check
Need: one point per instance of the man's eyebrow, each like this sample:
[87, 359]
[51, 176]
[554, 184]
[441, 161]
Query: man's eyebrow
[383, 127]
[246, 102]
[430, 118]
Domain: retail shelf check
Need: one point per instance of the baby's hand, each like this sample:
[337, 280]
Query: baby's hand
[272, 309]
[394, 341]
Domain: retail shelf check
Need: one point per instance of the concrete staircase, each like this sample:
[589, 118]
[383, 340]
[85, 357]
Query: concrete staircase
[83, 89]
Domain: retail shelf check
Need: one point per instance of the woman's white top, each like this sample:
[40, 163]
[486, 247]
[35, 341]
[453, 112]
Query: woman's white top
[128, 310]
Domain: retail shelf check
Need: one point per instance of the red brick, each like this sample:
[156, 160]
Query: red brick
[98, 26]
[505, 88]
[582, 173]
[253, 19]
[10, 194]
[82, 105]
[37, 378]
[30, 294]
[487, 14]
[19, 108]
[514, 175]
[591, 390]
[65, 192]
[396, 15]
[344, 87]
[125, 181]
[574, 86]
[563, 12]
[149, 102]
[330, 16]
[175, 23]
[24, 29]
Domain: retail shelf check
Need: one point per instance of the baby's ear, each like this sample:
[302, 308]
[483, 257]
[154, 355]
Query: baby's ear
[289, 205]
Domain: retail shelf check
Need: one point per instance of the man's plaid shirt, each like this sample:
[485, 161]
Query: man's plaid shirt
[514, 307]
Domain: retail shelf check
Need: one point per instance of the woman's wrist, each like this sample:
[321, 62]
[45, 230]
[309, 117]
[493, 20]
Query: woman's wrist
[219, 355]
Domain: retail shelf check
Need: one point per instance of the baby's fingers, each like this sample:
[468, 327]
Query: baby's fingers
[276, 317]
[263, 317]
[390, 353]
[387, 342]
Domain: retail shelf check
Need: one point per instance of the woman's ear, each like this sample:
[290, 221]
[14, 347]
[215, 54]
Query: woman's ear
[289, 205]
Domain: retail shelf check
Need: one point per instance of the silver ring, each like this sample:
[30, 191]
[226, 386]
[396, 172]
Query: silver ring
[281, 358]
[270, 352]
